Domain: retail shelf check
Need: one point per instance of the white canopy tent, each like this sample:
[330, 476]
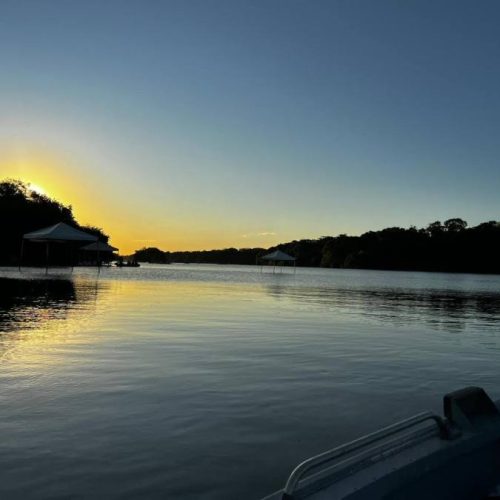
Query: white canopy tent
[278, 257]
[99, 246]
[58, 233]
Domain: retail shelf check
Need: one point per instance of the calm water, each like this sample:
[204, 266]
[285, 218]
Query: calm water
[214, 381]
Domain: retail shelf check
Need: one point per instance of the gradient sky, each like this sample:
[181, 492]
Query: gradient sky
[206, 124]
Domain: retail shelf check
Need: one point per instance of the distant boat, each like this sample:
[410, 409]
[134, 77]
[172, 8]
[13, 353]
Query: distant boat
[425, 456]
[127, 264]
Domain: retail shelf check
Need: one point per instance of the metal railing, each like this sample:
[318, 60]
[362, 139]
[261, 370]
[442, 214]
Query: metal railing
[340, 452]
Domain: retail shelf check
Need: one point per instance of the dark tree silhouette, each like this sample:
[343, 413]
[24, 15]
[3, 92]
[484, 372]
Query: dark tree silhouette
[23, 210]
[455, 225]
[449, 247]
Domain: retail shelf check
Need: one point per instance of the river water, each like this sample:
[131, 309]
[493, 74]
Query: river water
[199, 381]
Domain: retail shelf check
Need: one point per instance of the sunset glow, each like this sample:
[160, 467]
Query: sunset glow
[37, 189]
[261, 135]
[234, 230]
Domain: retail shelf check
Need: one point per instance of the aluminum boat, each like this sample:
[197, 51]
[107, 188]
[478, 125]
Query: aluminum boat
[426, 456]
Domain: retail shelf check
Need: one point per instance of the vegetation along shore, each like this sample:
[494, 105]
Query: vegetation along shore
[450, 246]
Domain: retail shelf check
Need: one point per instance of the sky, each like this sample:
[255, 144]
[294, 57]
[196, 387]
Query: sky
[198, 124]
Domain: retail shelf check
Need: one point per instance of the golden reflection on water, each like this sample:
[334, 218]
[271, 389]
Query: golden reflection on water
[140, 373]
[43, 320]
[40, 317]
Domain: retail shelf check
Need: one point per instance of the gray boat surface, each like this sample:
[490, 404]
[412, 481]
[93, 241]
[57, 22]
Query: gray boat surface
[423, 457]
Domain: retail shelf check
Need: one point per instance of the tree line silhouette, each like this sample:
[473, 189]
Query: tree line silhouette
[451, 246]
[23, 210]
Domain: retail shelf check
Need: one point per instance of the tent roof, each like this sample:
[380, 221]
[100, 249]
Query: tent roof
[99, 246]
[278, 255]
[59, 232]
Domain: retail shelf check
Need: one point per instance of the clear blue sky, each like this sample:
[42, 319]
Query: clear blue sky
[201, 124]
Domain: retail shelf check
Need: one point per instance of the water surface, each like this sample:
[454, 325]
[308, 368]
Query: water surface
[212, 382]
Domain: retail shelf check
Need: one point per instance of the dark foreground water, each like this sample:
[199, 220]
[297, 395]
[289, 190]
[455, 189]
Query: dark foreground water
[213, 382]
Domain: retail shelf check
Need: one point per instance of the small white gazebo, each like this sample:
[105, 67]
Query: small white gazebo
[99, 247]
[278, 258]
[58, 233]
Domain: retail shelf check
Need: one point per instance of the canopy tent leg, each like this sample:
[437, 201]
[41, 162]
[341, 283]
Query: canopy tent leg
[21, 254]
[46, 257]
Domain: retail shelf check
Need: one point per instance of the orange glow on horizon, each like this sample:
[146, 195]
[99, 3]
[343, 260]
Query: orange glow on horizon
[131, 222]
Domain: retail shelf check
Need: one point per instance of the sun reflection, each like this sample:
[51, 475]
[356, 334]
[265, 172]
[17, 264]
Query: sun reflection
[40, 319]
